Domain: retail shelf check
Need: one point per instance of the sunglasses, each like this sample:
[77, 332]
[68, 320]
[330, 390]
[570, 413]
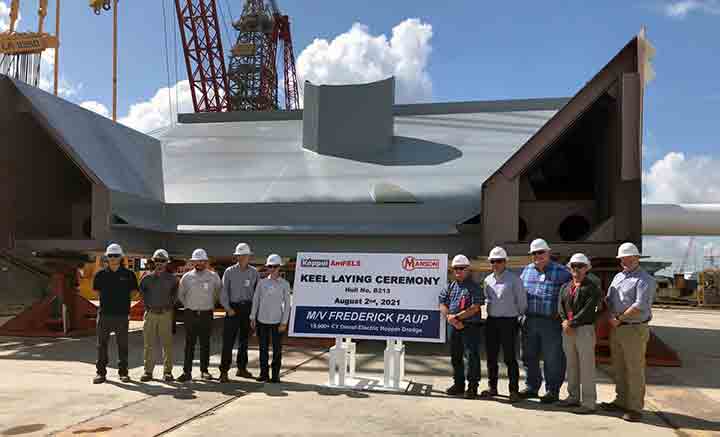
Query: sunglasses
[459, 269]
[114, 256]
[497, 261]
[160, 261]
[273, 267]
[577, 266]
[539, 252]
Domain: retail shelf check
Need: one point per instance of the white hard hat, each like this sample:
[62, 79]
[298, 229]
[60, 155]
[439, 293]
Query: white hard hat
[114, 249]
[538, 245]
[199, 255]
[627, 249]
[497, 253]
[579, 258]
[460, 261]
[274, 260]
[161, 253]
[242, 249]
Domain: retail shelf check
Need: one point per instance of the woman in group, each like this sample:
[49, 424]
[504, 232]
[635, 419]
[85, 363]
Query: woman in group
[579, 300]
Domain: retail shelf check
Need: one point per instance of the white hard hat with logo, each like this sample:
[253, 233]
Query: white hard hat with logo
[199, 255]
[274, 260]
[460, 261]
[114, 249]
[497, 253]
[242, 249]
[627, 249]
[538, 245]
[161, 254]
[579, 258]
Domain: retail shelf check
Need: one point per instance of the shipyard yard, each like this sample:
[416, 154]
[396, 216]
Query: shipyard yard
[46, 390]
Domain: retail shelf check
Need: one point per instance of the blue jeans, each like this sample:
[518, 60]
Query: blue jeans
[543, 336]
[465, 352]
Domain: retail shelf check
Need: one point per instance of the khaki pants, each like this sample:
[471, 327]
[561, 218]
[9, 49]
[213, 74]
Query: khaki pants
[158, 324]
[628, 344]
[580, 353]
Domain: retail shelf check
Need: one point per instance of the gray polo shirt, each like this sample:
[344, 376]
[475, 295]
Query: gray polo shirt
[636, 289]
[199, 290]
[271, 303]
[159, 290]
[238, 285]
[505, 295]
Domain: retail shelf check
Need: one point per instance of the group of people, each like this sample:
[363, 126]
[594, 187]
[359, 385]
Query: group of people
[555, 309]
[252, 304]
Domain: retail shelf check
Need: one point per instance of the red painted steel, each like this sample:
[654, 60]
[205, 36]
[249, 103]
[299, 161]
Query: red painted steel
[204, 58]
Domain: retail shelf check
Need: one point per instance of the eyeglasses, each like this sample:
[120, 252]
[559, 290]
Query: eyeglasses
[539, 252]
[577, 266]
[497, 261]
[160, 261]
[114, 255]
[273, 267]
[459, 269]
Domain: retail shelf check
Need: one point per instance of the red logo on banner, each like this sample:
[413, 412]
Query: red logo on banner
[410, 263]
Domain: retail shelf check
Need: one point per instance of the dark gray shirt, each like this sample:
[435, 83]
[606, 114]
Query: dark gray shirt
[159, 290]
[238, 285]
[632, 289]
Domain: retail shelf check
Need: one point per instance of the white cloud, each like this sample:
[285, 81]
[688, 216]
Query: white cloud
[158, 112]
[356, 56]
[96, 107]
[677, 178]
[680, 9]
[66, 88]
[5, 16]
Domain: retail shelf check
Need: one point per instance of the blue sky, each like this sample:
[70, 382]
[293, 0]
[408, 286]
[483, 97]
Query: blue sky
[479, 50]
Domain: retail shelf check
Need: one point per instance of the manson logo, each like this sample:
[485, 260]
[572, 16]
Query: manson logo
[410, 263]
[345, 263]
[315, 263]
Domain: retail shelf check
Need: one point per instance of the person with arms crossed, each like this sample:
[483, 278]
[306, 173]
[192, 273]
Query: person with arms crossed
[630, 298]
[114, 285]
[198, 292]
[506, 302]
[460, 304]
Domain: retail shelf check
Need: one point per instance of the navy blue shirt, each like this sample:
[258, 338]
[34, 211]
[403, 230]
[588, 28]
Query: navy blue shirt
[114, 289]
[459, 296]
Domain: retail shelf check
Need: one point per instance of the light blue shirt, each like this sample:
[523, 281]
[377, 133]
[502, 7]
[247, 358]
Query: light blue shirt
[505, 295]
[632, 289]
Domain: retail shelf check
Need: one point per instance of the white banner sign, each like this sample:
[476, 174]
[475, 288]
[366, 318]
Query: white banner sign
[373, 296]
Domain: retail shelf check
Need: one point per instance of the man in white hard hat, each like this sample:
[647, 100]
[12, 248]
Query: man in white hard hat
[239, 282]
[199, 291]
[269, 316]
[114, 285]
[630, 299]
[159, 292]
[542, 330]
[460, 304]
[578, 308]
[506, 302]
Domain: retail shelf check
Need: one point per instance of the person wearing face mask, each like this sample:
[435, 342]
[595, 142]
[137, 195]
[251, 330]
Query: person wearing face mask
[460, 304]
[506, 301]
[199, 291]
[578, 306]
[630, 298]
[114, 284]
[541, 330]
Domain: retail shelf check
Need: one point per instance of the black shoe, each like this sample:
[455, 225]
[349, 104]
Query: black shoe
[243, 373]
[632, 416]
[514, 397]
[99, 379]
[527, 394]
[611, 406]
[275, 380]
[185, 377]
[549, 398]
[262, 378]
[206, 376]
[489, 393]
[472, 392]
[146, 377]
[224, 377]
[456, 390]
[124, 378]
[168, 377]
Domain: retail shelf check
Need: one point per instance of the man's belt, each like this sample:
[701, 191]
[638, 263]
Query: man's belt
[158, 310]
[241, 303]
[634, 323]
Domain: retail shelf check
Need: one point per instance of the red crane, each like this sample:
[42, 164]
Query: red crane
[204, 58]
[281, 34]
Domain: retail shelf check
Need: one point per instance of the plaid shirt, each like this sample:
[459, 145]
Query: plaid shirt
[543, 288]
[460, 296]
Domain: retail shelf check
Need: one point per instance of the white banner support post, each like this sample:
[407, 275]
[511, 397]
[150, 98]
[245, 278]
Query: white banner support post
[342, 361]
[394, 363]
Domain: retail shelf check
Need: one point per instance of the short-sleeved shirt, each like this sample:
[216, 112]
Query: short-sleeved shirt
[459, 296]
[159, 290]
[543, 288]
[636, 288]
[199, 290]
[115, 289]
[505, 295]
